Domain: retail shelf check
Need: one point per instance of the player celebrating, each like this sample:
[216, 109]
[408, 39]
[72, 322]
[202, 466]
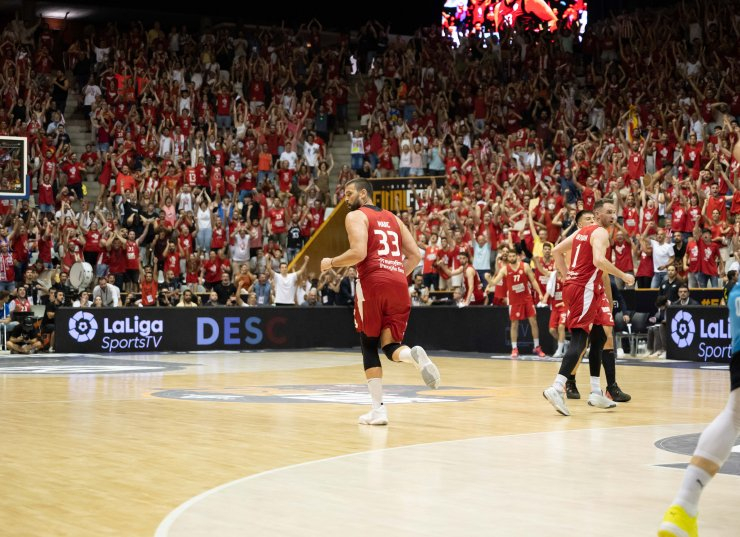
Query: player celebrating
[385, 253]
[471, 287]
[582, 295]
[521, 304]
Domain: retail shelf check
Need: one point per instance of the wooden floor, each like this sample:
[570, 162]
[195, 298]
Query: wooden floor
[267, 444]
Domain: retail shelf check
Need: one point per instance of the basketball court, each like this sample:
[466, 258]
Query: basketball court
[266, 443]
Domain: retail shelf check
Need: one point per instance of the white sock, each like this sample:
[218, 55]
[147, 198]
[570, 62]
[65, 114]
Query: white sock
[694, 481]
[405, 356]
[375, 387]
[513, 345]
[595, 384]
[561, 346]
[536, 342]
[559, 383]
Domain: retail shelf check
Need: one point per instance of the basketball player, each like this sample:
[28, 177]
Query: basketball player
[521, 304]
[606, 356]
[581, 293]
[507, 12]
[385, 253]
[715, 443]
[558, 311]
[471, 286]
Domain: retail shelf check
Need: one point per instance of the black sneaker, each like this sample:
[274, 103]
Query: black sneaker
[571, 390]
[615, 393]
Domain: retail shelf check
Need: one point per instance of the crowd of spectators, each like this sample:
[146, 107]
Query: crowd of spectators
[212, 151]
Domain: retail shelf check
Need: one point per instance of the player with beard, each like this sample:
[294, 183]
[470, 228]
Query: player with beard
[582, 294]
[605, 356]
[519, 277]
[385, 253]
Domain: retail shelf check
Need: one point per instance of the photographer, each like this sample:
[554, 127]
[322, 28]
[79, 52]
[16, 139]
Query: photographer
[419, 292]
[25, 337]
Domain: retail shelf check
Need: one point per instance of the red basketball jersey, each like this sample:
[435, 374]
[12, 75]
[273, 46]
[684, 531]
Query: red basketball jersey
[478, 295]
[517, 285]
[582, 271]
[384, 260]
[549, 266]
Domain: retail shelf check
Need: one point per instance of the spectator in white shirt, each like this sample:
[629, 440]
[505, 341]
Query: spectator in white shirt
[109, 294]
[482, 256]
[662, 257]
[311, 152]
[286, 283]
[289, 155]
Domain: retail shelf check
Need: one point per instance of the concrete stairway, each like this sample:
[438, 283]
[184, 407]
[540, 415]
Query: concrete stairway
[340, 148]
[76, 126]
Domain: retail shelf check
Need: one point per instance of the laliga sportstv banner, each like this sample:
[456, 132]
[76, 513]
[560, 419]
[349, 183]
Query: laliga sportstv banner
[142, 330]
[698, 333]
[148, 330]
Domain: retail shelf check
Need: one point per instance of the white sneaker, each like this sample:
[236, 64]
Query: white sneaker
[429, 371]
[377, 416]
[599, 401]
[557, 400]
[558, 355]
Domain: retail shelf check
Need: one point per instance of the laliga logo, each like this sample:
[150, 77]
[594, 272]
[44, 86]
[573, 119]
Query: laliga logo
[682, 329]
[83, 326]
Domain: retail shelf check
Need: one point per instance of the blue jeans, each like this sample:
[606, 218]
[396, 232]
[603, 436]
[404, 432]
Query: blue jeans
[223, 122]
[357, 160]
[203, 239]
[263, 176]
[706, 280]
[244, 193]
[658, 279]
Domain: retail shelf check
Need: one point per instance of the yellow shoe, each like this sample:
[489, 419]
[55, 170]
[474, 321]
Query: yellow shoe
[678, 523]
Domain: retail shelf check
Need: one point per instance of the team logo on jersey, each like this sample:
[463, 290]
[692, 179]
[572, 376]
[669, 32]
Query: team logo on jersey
[683, 329]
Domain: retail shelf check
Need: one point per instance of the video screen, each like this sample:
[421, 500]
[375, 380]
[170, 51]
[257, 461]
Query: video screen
[13, 167]
[484, 18]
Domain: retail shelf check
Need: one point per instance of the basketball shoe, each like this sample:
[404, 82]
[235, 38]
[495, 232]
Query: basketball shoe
[429, 371]
[678, 523]
[377, 416]
[571, 390]
[615, 393]
[599, 401]
[539, 352]
[557, 400]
